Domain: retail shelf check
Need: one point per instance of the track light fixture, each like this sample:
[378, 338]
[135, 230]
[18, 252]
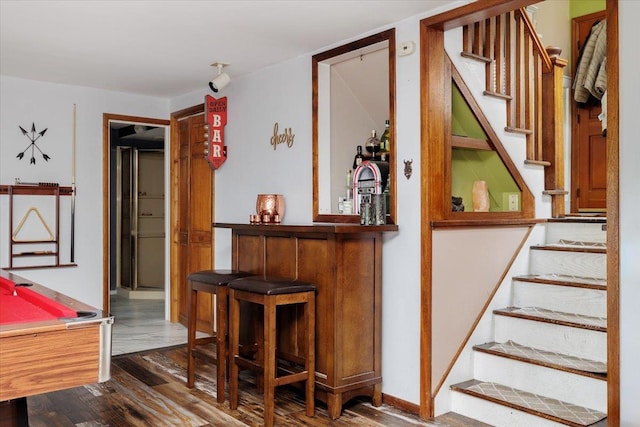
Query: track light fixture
[221, 80]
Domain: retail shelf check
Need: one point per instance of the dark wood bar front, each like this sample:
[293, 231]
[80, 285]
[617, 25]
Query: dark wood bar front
[344, 261]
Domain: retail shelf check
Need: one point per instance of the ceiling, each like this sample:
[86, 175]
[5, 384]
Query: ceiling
[166, 48]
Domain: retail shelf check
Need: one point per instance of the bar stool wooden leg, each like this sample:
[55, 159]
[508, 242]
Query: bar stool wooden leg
[258, 333]
[234, 346]
[269, 365]
[192, 304]
[310, 365]
[222, 355]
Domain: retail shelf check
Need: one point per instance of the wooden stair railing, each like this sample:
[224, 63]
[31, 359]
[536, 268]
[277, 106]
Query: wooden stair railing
[521, 71]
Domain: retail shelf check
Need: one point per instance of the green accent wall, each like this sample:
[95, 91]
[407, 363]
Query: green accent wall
[463, 122]
[584, 7]
[469, 165]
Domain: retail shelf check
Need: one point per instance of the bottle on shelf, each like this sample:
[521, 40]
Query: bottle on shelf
[386, 192]
[359, 158]
[384, 143]
[347, 204]
[373, 146]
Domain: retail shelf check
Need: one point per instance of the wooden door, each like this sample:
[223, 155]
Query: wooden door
[588, 145]
[194, 184]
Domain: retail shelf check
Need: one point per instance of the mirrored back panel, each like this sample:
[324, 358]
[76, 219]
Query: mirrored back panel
[353, 112]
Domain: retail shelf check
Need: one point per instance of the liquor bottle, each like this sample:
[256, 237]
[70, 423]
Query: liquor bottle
[384, 143]
[386, 192]
[359, 158]
[373, 145]
[347, 203]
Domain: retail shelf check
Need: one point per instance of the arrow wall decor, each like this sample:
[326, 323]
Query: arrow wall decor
[33, 136]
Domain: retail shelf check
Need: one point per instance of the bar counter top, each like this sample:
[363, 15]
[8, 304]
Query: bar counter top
[320, 227]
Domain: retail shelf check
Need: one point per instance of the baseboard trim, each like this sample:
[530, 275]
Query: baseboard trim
[404, 405]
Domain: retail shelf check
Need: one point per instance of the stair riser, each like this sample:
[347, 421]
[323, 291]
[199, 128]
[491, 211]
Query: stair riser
[568, 340]
[583, 232]
[495, 414]
[565, 386]
[568, 263]
[567, 299]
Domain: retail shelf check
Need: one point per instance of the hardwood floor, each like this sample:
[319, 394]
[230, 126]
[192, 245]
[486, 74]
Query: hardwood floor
[149, 389]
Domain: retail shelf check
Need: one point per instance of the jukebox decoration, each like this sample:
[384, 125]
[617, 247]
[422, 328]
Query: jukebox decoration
[369, 181]
[216, 118]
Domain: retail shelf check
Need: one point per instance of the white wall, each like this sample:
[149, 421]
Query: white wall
[629, 11]
[550, 21]
[51, 106]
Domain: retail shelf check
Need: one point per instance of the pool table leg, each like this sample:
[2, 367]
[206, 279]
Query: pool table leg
[13, 413]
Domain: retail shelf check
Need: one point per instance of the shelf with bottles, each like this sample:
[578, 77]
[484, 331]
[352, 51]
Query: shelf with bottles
[374, 149]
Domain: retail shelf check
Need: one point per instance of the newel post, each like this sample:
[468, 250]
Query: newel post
[553, 132]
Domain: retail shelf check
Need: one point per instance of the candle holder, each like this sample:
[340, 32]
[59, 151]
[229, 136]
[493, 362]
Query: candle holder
[270, 207]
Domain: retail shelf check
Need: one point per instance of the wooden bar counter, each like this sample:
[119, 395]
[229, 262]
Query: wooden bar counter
[344, 261]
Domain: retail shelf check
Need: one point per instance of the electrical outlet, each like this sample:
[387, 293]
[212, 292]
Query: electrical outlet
[511, 201]
[514, 202]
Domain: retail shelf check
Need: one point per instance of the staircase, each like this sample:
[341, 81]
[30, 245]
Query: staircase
[546, 365]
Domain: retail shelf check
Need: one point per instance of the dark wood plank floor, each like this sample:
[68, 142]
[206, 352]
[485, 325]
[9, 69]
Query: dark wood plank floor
[148, 389]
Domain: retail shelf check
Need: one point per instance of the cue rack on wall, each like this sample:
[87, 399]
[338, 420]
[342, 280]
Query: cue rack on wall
[47, 249]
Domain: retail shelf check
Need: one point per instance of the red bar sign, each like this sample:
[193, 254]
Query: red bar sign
[216, 117]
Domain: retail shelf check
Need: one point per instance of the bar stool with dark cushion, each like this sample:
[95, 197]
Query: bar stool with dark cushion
[271, 293]
[212, 282]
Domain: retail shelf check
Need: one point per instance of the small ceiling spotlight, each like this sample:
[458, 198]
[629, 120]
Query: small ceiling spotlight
[221, 80]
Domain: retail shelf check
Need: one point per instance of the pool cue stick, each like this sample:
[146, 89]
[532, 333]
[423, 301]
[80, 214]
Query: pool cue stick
[73, 187]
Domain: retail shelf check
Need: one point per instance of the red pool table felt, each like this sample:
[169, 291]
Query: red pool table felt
[28, 305]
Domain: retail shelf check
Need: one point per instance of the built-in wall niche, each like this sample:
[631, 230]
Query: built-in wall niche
[474, 159]
[475, 154]
[353, 94]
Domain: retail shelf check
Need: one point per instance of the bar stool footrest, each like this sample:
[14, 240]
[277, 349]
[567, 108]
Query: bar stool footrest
[291, 378]
[206, 340]
[249, 364]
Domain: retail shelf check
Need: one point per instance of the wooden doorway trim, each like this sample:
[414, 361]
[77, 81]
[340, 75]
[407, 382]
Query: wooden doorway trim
[106, 229]
[174, 185]
[613, 217]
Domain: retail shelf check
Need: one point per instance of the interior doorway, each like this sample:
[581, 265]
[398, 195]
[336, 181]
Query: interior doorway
[140, 235]
[137, 204]
[135, 227]
[588, 137]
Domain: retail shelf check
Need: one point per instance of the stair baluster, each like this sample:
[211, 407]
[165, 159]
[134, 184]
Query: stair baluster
[519, 70]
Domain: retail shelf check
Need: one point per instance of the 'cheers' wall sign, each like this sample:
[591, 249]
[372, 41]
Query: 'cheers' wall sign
[286, 137]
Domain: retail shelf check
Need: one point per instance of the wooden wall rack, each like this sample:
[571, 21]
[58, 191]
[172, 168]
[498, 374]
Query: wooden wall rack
[36, 190]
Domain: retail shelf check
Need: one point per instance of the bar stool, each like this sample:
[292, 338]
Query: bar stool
[212, 282]
[271, 293]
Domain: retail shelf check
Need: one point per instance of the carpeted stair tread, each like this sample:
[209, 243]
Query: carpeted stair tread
[556, 317]
[581, 218]
[599, 249]
[583, 244]
[552, 409]
[564, 280]
[546, 358]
